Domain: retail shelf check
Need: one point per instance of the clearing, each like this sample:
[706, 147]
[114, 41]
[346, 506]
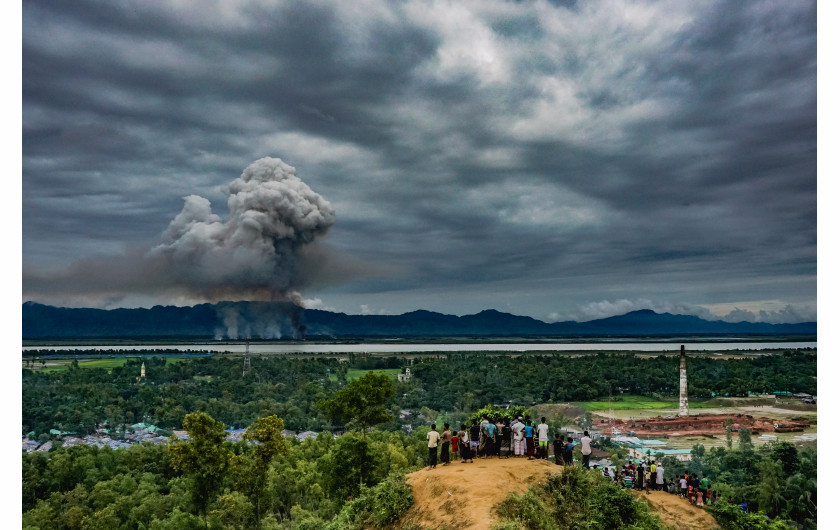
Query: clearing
[355, 373]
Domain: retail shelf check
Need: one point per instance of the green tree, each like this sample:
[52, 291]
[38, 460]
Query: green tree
[769, 489]
[363, 400]
[202, 458]
[727, 423]
[744, 439]
[253, 468]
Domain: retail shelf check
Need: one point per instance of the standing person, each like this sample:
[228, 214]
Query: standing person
[475, 436]
[653, 474]
[558, 448]
[585, 449]
[704, 488]
[433, 436]
[518, 429]
[568, 455]
[505, 440]
[660, 477]
[482, 437]
[529, 439]
[444, 448]
[489, 439]
[683, 486]
[454, 446]
[542, 437]
[500, 425]
[466, 449]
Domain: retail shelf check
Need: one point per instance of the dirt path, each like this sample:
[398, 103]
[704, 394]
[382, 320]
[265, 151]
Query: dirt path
[462, 496]
[677, 513]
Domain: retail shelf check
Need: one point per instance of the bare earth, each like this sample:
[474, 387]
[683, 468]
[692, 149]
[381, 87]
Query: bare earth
[678, 513]
[462, 496]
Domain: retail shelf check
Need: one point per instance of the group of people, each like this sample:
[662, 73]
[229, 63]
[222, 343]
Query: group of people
[517, 438]
[651, 475]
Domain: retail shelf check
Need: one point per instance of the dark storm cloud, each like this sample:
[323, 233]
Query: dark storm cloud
[557, 154]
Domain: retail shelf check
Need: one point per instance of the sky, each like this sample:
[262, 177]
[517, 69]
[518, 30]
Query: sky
[563, 160]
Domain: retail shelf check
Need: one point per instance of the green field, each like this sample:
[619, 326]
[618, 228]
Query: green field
[353, 373]
[631, 402]
[64, 364]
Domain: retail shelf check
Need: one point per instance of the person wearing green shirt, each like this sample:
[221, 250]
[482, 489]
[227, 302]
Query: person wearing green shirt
[704, 488]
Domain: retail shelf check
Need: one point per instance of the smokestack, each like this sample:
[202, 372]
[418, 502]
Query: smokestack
[683, 384]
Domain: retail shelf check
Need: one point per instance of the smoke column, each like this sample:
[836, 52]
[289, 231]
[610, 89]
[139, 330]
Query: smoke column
[256, 254]
[264, 251]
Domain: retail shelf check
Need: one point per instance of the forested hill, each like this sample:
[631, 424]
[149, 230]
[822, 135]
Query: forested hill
[274, 320]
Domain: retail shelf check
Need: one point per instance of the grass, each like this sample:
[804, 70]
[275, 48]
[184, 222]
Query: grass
[354, 373]
[634, 402]
[94, 363]
[629, 402]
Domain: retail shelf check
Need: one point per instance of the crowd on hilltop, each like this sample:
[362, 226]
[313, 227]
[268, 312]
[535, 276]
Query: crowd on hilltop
[502, 439]
[519, 438]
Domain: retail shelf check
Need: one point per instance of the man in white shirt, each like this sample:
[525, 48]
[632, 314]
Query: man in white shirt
[518, 437]
[542, 438]
[433, 436]
[660, 477]
[585, 449]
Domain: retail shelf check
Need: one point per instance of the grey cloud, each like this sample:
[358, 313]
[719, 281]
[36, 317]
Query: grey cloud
[686, 131]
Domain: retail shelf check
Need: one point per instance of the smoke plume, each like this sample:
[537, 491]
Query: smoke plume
[264, 251]
[257, 253]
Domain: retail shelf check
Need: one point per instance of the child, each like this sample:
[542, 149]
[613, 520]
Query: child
[466, 450]
[454, 444]
[570, 447]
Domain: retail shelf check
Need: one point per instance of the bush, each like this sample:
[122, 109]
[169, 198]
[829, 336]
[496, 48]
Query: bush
[378, 506]
[496, 414]
[732, 517]
[575, 498]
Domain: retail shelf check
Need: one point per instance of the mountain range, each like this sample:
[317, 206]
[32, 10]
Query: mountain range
[274, 320]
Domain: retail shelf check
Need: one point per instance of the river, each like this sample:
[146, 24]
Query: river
[377, 347]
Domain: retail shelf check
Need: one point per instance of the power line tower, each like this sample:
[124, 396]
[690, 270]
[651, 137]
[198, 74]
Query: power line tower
[246, 358]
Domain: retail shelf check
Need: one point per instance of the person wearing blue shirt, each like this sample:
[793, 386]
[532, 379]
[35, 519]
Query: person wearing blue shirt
[490, 439]
[529, 439]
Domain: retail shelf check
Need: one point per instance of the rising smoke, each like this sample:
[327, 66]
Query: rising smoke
[264, 251]
[257, 253]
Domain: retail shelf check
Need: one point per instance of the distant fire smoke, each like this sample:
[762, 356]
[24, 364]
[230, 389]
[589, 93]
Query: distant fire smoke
[263, 252]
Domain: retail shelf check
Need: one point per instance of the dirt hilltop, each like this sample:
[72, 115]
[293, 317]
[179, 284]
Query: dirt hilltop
[463, 496]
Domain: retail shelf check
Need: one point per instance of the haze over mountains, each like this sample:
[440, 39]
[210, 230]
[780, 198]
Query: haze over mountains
[270, 320]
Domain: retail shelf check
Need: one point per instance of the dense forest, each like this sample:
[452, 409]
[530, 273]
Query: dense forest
[356, 480]
[78, 399]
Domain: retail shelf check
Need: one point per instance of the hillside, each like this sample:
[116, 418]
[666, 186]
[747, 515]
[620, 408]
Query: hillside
[464, 496]
[275, 320]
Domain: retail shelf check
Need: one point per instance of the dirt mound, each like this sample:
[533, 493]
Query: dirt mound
[677, 512]
[462, 496]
